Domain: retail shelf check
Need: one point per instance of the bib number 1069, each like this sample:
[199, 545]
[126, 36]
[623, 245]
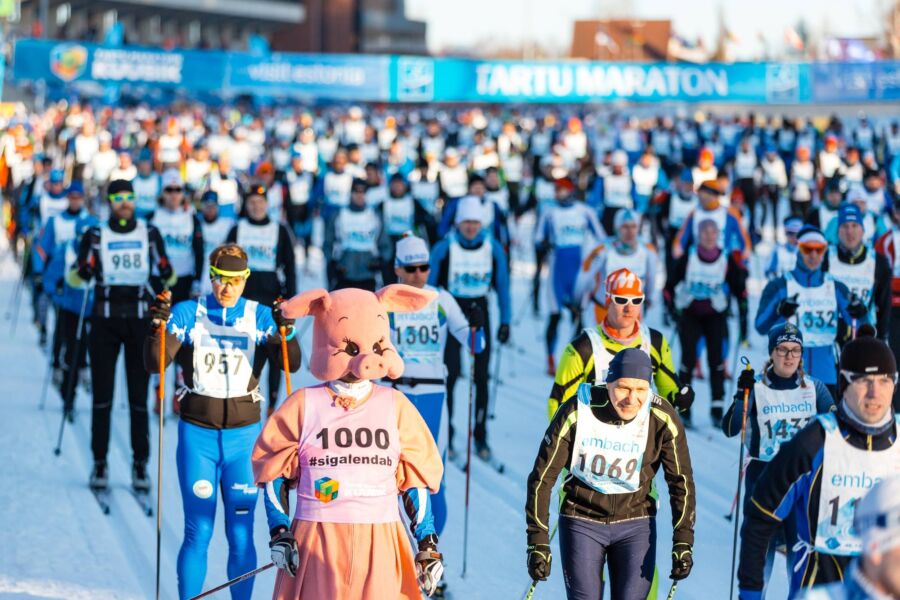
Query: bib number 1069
[612, 469]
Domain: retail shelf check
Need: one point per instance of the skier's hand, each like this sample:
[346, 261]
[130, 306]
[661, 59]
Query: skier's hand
[788, 306]
[857, 309]
[161, 308]
[684, 398]
[503, 333]
[429, 565]
[539, 559]
[747, 379]
[284, 552]
[682, 561]
[475, 316]
[280, 319]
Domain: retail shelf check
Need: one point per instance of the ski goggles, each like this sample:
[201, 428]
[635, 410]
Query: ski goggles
[420, 268]
[864, 380]
[812, 248]
[121, 197]
[223, 277]
[623, 300]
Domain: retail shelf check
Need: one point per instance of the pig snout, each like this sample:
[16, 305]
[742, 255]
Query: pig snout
[375, 366]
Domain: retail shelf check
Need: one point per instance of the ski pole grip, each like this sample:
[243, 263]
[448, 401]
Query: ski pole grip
[284, 359]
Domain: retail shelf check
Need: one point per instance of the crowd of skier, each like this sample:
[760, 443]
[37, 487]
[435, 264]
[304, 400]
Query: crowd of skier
[192, 235]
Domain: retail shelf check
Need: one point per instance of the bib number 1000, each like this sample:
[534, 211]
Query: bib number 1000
[612, 469]
[363, 437]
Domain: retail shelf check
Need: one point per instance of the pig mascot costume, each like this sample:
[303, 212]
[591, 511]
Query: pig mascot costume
[350, 447]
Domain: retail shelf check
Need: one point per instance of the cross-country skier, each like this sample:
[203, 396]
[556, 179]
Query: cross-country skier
[609, 507]
[815, 481]
[350, 447]
[865, 273]
[781, 401]
[215, 230]
[814, 301]
[180, 229]
[147, 185]
[784, 255]
[889, 247]
[221, 341]
[118, 255]
[624, 251]
[468, 263]
[873, 574]
[420, 337]
[561, 231]
[697, 294]
[586, 359]
[270, 257]
[732, 235]
[681, 202]
[832, 196]
[351, 242]
[400, 213]
[613, 191]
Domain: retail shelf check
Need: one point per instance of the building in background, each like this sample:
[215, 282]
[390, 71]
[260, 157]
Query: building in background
[622, 39]
[339, 26]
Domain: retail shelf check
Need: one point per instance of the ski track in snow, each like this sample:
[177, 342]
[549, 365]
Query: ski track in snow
[59, 544]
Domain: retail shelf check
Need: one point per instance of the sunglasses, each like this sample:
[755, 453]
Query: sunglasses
[623, 300]
[812, 249]
[419, 268]
[121, 197]
[222, 277]
[173, 190]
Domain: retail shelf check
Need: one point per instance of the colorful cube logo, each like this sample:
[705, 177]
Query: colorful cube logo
[326, 489]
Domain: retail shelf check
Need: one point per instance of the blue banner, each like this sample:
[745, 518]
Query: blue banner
[382, 78]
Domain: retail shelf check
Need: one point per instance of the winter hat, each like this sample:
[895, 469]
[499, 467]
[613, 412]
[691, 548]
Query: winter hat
[793, 225]
[469, 209]
[712, 186]
[811, 236]
[786, 332]
[868, 355]
[57, 176]
[877, 516]
[210, 196]
[623, 282]
[76, 187]
[564, 183]
[619, 158]
[117, 186]
[411, 250]
[172, 178]
[625, 215]
[633, 363]
[849, 213]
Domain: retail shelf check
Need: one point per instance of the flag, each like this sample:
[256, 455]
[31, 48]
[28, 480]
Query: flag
[793, 38]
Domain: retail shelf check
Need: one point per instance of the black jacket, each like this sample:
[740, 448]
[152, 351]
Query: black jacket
[881, 291]
[666, 446]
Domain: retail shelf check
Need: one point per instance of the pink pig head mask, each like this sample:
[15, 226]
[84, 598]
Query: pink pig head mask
[351, 331]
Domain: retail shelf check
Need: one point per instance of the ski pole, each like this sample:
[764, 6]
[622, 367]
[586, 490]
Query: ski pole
[737, 509]
[730, 514]
[284, 359]
[234, 581]
[161, 395]
[529, 594]
[72, 372]
[469, 449]
[13, 312]
[492, 399]
[672, 590]
[48, 373]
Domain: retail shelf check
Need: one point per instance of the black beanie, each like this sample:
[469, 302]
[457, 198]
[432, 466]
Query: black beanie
[867, 355]
[117, 186]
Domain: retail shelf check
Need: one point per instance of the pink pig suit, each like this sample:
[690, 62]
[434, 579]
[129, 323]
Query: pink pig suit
[351, 448]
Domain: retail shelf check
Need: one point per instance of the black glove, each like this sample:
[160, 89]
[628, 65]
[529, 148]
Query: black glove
[86, 272]
[857, 309]
[684, 398]
[165, 272]
[682, 561]
[787, 307]
[503, 333]
[539, 559]
[284, 552]
[747, 379]
[475, 316]
[280, 319]
[161, 307]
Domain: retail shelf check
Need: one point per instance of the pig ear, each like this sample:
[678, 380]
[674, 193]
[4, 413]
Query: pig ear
[398, 297]
[312, 302]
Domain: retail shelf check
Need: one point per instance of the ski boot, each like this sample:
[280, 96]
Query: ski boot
[715, 412]
[84, 379]
[551, 366]
[42, 330]
[69, 414]
[483, 451]
[140, 481]
[58, 376]
[99, 480]
[451, 453]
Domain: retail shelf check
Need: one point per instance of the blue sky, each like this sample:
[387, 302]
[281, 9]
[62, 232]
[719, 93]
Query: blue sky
[466, 22]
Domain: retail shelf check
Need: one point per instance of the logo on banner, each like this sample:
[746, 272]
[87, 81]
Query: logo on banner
[68, 61]
[326, 489]
[782, 83]
[415, 79]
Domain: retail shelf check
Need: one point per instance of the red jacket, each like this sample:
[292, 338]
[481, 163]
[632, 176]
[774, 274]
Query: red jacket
[886, 246]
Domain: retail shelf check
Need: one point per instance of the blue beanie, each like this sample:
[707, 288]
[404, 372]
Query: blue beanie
[849, 213]
[76, 187]
[786, 332]
[630, 362]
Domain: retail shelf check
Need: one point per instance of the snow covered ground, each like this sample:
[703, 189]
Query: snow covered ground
[57, 544]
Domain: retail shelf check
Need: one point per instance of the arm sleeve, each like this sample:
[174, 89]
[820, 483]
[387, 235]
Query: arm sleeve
[501, 281]
[437, 276]
[684, 238]
[767, 315]
[417, 506]
[553, 455]
[329, 237]
[275, 452]
[287, 261]
[676, 463]
[570, 373]
[158, 250]
[180, 322]
[667, 384]
[457, 324]
[731, 422]
[824, 399]
[882, 296]
[420, 461]
[231, 238]
[541, 230]
[197, 246]
[275, 499]
[650, 279]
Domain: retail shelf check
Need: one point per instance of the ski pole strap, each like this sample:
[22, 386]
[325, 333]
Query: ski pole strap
[230, 583]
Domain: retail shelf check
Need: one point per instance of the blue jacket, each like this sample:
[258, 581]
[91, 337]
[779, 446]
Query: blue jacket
[440, 260]
[821, 361]
[49, 259]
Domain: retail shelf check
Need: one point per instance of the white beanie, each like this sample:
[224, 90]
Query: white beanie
[877, 516]
[171, 177]
[619, 158]
[469, 209]
[411, 250]
[625, 215]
